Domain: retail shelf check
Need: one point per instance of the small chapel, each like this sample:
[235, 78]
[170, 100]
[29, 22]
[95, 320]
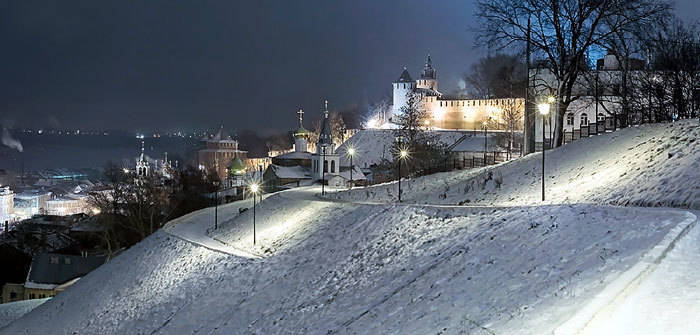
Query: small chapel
[301, 167]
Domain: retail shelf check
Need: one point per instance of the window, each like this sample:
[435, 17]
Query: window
[13, 295]
[584, 119]
[332, 166]
[325, 166]
[569, 119]
[440, 103]
[601, 117]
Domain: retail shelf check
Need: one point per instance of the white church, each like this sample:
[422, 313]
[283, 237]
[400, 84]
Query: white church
[301, 167]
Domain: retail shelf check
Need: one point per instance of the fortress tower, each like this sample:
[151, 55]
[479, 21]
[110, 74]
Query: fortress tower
[402, 87]
[428, 78]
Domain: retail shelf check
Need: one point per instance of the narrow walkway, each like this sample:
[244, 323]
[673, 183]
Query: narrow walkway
[666, 301]
[194, 228]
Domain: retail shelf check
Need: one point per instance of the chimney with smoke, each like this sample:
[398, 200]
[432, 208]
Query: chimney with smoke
[9, 141]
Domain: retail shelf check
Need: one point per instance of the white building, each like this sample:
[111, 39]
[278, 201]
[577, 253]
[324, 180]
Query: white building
[592, 112]
[7, 205]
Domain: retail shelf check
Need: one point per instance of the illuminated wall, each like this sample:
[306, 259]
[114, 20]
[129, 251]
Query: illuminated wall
[471, 113]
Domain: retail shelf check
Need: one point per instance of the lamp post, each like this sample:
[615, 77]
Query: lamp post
[544, 110]
[403, 153]
[351, 152]
[254, 188]
[486, 133]
[216, 205]
[323, 170]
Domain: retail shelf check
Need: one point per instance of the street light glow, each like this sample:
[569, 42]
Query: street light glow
[351, 151]
[403, 153]
[550, 99]
[544, 108]
[254, 188]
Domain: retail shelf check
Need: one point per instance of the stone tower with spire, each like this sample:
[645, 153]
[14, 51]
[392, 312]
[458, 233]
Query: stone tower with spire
[428, 78]
[325, 160]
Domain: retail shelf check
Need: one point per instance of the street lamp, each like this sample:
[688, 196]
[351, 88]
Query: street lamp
[351, 152]
[254, 188]
[323, 170]
[403, 154]
[216, 205]
[544, 110]
[486, 133]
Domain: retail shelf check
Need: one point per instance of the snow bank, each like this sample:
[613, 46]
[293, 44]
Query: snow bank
[649, 165]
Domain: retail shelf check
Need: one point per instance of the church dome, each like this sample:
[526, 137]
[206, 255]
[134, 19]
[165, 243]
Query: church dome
[301, 132]
[236, 167]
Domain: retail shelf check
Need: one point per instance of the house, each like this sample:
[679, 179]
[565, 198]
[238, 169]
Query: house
[50, 274]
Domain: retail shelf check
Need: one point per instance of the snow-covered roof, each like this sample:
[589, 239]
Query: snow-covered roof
[55, 269]
[290, 172]
[295, 155]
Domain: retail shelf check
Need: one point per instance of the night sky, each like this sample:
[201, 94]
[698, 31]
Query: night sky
[181, 65]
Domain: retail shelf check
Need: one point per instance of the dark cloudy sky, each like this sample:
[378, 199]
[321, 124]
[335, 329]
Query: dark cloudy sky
[169, 65]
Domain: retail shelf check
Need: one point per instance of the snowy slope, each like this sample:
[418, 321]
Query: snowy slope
[324, 267]
[14, 310]
[649, 165]
[361, 269]
[374, 145]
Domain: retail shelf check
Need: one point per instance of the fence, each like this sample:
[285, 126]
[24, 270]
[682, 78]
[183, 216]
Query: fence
[461, 161]
[588, 130]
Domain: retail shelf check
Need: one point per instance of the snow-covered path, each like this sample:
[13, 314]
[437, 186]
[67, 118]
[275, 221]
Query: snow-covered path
[195, 228]
[666, 301]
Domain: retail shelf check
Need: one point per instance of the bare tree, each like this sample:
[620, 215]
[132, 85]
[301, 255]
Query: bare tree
[423, 144]
[497, 76]
[562, 33]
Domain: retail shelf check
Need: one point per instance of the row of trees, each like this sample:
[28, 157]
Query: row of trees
[135, 209]
[566, 33]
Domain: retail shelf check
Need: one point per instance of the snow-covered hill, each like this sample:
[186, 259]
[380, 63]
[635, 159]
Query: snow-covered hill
[649, 165]
[363, 269]
[334, 266]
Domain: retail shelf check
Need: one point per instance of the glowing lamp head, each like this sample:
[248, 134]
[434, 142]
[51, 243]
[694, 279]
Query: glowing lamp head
[125, 170]
[403, 153]
[550, 99]
[372, 123]
[254, 188]
[544, 108]
[351, 151]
